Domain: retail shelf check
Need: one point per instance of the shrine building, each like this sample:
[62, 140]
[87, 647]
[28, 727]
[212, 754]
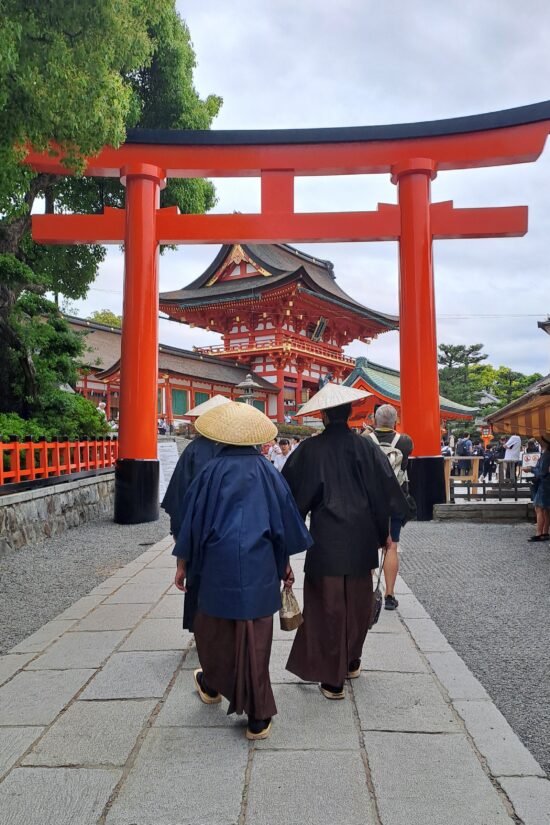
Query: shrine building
[185, 379]
[282, 314]
[384, 384]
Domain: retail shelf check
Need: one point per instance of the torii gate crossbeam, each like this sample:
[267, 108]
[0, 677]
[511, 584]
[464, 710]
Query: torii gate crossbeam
[411, 153]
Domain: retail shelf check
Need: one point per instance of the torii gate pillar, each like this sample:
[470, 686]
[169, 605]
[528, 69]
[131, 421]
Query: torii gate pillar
[420, 412]
[137, 469]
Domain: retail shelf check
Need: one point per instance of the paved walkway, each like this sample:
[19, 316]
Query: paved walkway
[487, 587]
[99, 724]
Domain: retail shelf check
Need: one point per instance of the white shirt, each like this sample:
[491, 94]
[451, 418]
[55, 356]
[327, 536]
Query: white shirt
[513, 448]
[279, 461]
[273, 451]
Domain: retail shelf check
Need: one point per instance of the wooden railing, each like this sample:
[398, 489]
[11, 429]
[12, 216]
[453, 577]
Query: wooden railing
[506, 482]
[326, 352]
[28, 460]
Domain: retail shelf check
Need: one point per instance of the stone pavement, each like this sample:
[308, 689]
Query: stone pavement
[100, 725]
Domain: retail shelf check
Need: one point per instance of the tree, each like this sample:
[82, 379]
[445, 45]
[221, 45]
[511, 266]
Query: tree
[77, 74]
[509, 385]
[464, 379]
[107, 317]
[456, 364]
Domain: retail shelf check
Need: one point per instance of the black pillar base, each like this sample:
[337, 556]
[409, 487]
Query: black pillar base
[136, 490]
[427, 484]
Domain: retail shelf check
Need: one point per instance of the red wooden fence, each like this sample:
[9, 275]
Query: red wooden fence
[33, 460]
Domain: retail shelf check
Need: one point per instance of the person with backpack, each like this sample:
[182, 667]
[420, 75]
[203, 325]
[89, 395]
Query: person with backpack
[464, 448]
[397, 448]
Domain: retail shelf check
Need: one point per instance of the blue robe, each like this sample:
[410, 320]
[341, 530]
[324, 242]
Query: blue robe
[240, 526]
[195, 456]
[190, 463]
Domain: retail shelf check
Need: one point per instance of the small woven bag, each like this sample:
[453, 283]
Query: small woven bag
[290, 614]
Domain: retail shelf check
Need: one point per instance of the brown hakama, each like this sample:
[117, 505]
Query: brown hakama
[234, 656]
[337, 611]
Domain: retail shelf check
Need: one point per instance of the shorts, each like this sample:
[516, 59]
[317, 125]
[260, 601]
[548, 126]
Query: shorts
[396, 524]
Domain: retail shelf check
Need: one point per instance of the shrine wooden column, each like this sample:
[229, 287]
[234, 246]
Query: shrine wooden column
[280, 378]
[137, 469]
[168, 403]
[420, 414]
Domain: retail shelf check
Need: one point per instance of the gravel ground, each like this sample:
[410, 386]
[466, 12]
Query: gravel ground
[487, 590]
[39, 581]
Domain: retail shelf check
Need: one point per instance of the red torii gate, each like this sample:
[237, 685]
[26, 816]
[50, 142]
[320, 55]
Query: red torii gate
[411, 153]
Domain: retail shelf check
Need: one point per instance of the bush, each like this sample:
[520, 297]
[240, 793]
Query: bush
[288, 430]
[13, 424]
[62, 414]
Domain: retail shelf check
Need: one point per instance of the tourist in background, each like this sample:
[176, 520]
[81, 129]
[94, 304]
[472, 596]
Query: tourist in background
[532, 446]
[512, 455]
[294, 442]
[478, 451]
[464, 448]
[279, 460]
[541, 492]
[273, 450]
[489, 463]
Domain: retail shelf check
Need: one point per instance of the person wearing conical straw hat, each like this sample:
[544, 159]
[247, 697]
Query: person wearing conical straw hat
[348, 486]
[240, 527]
[189, 464]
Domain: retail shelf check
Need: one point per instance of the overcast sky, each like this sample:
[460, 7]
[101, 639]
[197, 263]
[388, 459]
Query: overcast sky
[307, 63]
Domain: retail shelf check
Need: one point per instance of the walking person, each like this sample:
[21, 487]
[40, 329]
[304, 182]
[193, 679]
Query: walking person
[397, 448]
[541, 492]
[194, 457]
[349, 488]
[239, 528]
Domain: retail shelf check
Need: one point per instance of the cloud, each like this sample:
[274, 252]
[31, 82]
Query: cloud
[282, 63]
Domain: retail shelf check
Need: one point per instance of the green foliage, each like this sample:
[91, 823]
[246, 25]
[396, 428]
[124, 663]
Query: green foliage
[288, 430]
[13, 424]
[62, 414]
[107, 317]
[72, 416]
[74, 75]
[464, 379]
[65, 74]
[456, 364]
[54, 346]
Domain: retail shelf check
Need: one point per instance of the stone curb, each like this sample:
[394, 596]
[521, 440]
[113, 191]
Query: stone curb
[507, 759]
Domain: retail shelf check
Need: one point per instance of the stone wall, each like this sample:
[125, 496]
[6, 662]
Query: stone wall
[38, 513]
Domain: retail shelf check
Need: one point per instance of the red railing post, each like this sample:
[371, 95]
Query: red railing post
[15, 468]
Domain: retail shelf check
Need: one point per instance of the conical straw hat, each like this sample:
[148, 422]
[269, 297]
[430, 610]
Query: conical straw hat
[332, 395]
[211, 404]
[236, 423]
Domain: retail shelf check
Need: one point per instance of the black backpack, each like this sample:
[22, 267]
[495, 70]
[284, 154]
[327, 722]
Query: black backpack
[461, 447]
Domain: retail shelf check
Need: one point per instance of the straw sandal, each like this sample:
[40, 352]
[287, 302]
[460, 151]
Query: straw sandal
[207, 698]
[332, 692]
[258, 729]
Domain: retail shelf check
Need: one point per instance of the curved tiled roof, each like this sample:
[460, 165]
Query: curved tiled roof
[388, 383]
[284, 264]
[519, 116]
[103, 345]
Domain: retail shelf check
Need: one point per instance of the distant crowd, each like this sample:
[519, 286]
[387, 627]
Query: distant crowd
[509, 449]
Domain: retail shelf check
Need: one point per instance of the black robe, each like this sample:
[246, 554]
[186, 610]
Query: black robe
[350, 489]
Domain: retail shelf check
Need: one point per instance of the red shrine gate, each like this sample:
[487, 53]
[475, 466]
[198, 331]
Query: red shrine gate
[411, 153]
